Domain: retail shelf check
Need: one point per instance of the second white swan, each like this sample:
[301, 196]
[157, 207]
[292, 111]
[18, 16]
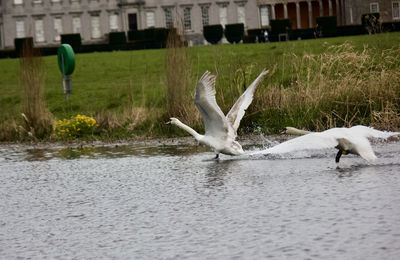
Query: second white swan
[352, 140]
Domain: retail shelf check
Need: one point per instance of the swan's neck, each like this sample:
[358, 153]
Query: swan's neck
[295, 131]
[188, 129]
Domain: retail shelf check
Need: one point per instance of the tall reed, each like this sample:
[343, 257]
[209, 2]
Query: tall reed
[37, 118]
[178, 79]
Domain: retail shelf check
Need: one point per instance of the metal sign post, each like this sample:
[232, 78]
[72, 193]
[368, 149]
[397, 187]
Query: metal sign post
[66, 64]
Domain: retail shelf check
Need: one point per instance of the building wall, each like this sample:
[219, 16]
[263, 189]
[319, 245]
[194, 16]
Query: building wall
[354, 9]
[302, 13]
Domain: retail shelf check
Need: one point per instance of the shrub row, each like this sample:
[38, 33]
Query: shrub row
[156, 37]
[146, 39]
[138, 39]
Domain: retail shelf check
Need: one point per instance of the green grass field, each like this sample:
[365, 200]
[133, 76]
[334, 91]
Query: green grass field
[126, 90]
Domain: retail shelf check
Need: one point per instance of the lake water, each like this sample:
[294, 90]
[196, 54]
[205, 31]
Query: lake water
[170, 200]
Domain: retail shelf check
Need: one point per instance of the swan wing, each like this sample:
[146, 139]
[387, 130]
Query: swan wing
[369, 132]
[313, 141]
[362, 146]
[237, 111]
[215, 123]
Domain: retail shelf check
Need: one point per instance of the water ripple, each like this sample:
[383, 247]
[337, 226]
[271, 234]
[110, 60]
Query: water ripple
[171, 201]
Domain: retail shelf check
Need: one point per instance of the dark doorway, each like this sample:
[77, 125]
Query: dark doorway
[132, 18]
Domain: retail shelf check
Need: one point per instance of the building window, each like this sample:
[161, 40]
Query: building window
[264, 15]
[20, 27]
[95, 23]
[241, 14]
[18, 2]
[37, 1]
[374, 7]
[76, 24]
[223, 15]
[187, 20]
[113, 22]
[55, 1]
[150, 21]
[39, 30]
[57, 29]
[396, 10]
[205, 18]
[169, 23]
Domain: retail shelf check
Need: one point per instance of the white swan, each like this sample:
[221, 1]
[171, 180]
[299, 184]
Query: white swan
[220, 130]
[352, 140]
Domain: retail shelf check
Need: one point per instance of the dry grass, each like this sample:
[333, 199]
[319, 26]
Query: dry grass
[37, 119]
[341, 87]
[131, 116]
[179, 97]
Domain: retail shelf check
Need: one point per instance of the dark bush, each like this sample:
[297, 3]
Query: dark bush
[281, 26]
[73, 39]
[255, 32]
[348, 30]
[117, 41]
[7, 54]
[234, 32]
[326, 26]
[149, 38]
[134, 35]
[22, 44]
[253, 35]
[116, 38]
[249, 39]
[371, 22]
[391, 26]
[213, 33]
[46, 51]
[161, 34]
[302, 34]
[149, 34]
[88, 48]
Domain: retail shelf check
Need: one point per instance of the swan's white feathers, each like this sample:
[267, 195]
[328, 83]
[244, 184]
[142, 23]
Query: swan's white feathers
[312, 141]
[362, 147]
[370, 132]
[238, 110]
[215, 123]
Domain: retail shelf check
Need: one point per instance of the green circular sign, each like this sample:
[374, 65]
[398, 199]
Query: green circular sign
[66, 59]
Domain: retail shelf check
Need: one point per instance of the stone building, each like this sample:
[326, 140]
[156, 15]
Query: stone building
[46, 20]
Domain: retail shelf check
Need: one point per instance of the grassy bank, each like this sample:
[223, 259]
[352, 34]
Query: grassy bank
[313, 84]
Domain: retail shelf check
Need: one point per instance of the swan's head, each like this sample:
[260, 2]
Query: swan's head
[289, 130]
[173, 121]
[293, 131]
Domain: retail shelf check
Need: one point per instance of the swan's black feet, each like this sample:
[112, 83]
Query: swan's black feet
[217, 156]
[338, 155]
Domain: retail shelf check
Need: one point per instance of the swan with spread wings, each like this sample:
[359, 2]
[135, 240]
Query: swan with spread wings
[220, 130]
